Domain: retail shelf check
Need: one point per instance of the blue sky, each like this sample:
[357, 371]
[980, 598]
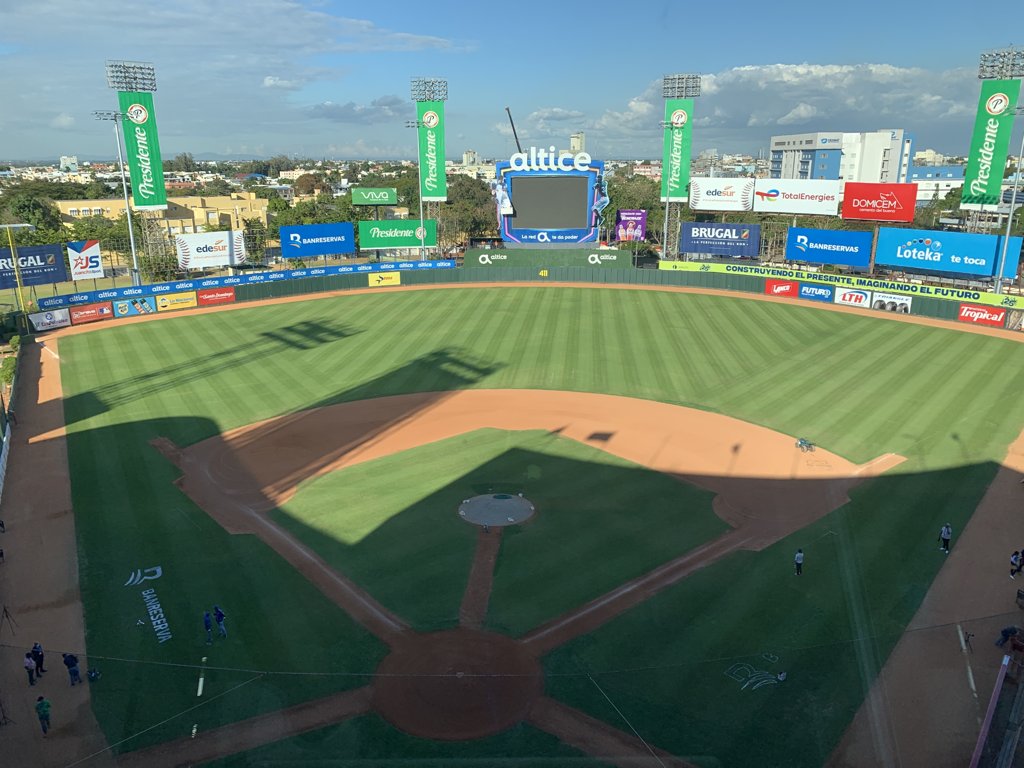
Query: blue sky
[325, 78]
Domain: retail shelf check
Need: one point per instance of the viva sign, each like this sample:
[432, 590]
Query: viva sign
[433, 182]
[143, 147]
[675, 160]
[989, 143]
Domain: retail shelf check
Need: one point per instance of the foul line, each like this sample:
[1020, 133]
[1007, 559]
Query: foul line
[626, 721]
[970, 671]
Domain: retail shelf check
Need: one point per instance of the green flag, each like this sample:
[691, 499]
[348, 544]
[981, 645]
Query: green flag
[143, 147]
[675, 161]
[983, 180]
[433, 183]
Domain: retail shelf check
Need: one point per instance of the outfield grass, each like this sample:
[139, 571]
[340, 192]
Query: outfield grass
[858, 386]
[404, 542]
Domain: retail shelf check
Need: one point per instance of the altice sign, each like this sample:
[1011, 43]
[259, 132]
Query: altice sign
[549, 160]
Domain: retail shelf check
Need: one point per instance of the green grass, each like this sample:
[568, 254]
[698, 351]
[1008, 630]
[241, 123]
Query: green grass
[369, 740]
[859, 386]
[592, 508]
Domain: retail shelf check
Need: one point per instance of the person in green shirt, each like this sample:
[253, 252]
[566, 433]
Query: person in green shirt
[43, 711]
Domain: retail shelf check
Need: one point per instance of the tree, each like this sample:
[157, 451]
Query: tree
[216, 187]
[307, 183]
[24, 208]
[181, 162]
[469, 211]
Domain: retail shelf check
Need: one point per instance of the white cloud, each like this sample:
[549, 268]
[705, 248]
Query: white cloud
[801, 113]
[381, 110]
[63, 121]
[273, 81]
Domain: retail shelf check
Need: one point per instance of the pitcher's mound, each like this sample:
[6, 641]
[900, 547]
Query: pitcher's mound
[495, 510]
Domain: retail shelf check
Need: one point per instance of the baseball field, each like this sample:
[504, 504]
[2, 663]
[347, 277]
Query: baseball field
[302, 465]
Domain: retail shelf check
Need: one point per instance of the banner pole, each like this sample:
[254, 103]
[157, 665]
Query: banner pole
[127, 207]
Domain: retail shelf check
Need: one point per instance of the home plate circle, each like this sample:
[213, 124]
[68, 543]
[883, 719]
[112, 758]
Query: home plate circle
[495, 510]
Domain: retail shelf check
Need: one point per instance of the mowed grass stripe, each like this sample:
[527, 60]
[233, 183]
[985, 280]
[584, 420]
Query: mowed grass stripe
[624, 334]
[648, 328]
[674, 350]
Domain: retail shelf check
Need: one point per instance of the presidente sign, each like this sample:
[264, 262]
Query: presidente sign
[720, 239]
[84, 256]
[210, 249]
[143, 147]
[398, 233]
[879, 202]
[812, 196]
[829, 246]
[433, 182]
[953, 252]
[37, 265]
[304, 240]
[721, 194]
[675, 158]
[847, 283]
[374, 196]
[993, 125]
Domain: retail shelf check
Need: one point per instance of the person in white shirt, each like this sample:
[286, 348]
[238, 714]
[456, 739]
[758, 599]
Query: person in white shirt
[944, 536]
[798, 561]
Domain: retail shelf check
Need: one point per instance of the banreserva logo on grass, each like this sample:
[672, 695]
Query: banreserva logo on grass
[404, 233]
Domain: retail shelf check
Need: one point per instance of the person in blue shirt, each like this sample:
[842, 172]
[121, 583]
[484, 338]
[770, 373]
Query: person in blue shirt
[208, 626]
[219, 616]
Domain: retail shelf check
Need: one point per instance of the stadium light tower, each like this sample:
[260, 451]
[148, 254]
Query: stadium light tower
[685, 86]
[117, 118]
[1005, 64]
[425, 89]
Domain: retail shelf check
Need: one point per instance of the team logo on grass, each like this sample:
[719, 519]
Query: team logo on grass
[139, 576]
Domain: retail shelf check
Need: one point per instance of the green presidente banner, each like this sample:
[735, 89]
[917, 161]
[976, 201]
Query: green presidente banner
[989, 143]
[143, 147]
[374, 196]
[675, 161]
[433, 182]
[399, 233]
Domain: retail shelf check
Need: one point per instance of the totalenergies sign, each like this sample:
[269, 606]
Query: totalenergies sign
[879, 202]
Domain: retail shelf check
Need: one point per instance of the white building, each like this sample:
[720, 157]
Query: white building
[577, 142]
[68, 163]
[875, 156]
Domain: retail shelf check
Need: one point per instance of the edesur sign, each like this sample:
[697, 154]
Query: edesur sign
[879, 202]
[721, 194]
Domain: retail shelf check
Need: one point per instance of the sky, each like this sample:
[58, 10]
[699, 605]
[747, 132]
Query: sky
[330, 79]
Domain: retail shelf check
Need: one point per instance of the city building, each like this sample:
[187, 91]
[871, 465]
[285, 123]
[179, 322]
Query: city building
[470, 157]
[935, 180]
[68, 163]
[183, 214]
[577, 142]
[929, 157]
[875, 156]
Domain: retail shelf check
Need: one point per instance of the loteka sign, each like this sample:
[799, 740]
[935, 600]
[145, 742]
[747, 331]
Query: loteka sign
[549, 159]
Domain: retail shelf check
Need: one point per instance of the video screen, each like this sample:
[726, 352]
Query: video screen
[550, 202]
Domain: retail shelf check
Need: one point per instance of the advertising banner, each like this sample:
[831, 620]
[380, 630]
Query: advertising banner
[853, 297]
[396, 233]
[991, 316]
[630, 225]
[37, 265]
[91, 313]
[781, 287]
[891, 302]
[675, 158]
[814, 292]
[953, 252]
[720, 239]
[46, 321]
[879, 202]
[84, 256]
[305, 240]
[210, 249]
[829, 246]
[210, 296]
[567, 257]
[374, 196]
[433, 182]
[143, 148]
[811, 196]
[990, 141]
[143, 305]
[721, 194]
[384, 278]
[169, 302]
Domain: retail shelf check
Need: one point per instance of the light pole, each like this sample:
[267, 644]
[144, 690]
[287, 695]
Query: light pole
[675, 87]
[421, 229]
[1009, 215]
[136, 77]
[117, 118]
[17, 267]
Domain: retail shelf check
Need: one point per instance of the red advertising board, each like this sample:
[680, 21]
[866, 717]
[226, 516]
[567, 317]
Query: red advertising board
[782, 287]
[91, 313]
[209, 296]
[879, 202]
[973, 313]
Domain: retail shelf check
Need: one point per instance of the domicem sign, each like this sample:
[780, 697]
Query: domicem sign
[879, 202]
[992, 316]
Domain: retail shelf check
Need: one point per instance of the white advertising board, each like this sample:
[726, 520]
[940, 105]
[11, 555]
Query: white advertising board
[811, 196]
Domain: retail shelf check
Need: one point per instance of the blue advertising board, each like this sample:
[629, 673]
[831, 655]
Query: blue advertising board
[178, 286]
[960, 253]
[829, 246]
[815, 292]
[720, 239]
[305, 240]
[38, 265]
